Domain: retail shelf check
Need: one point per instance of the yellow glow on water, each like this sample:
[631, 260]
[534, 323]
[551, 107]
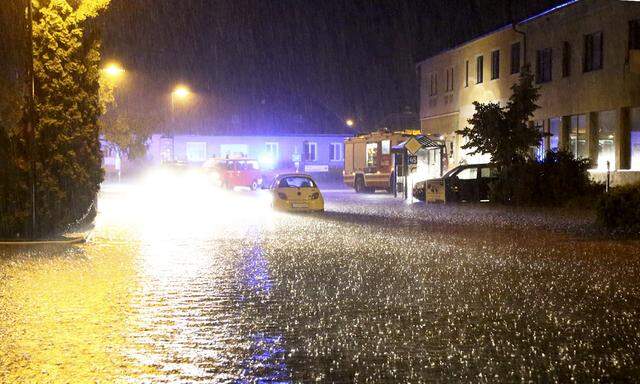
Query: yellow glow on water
[64, 318]
[76, 314]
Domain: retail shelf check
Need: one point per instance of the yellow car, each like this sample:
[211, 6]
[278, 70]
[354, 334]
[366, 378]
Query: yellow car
[296, 192]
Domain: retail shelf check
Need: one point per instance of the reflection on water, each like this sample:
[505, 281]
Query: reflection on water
[203, 286]
[64, 314]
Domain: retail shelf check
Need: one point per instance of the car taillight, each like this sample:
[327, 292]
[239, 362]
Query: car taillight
[282, 196]
[315, 195]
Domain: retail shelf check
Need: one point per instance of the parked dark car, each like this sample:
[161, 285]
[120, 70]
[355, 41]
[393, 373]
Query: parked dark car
[465, 183]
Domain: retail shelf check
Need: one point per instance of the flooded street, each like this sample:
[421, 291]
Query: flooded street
[197, 285]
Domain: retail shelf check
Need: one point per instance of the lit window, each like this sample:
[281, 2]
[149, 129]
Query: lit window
[271, 149]
[606, 139]
[386, 147]
[310, 151]
[335, 152]
[635, 138]
[372, 154]
[578, 136]
[555, 125]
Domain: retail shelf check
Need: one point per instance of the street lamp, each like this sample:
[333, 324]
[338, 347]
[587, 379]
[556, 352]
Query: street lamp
[180, 93]
[350, 122]
[113, 70]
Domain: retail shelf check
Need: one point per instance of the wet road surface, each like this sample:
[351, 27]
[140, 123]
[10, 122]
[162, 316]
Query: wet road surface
[195, 285]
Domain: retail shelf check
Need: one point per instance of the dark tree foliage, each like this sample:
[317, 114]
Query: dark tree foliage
[505, 133]
[557, 180]
[67, 149]
[619, 210]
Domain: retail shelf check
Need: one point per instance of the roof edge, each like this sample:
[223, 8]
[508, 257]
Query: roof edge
[503, 28]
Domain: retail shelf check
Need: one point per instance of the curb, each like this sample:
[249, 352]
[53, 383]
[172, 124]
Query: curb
[70, 241]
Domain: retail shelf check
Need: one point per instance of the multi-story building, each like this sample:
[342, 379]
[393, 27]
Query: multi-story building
[585, 56]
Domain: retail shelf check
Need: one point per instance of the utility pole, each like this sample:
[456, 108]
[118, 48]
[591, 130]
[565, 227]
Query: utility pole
[31, 117]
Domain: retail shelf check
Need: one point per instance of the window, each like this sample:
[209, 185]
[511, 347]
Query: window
[578, 136]
[296, 182]
[607, 121]
[433, 89]
[309, 151]
[634, 117]
[372, 154]
[488, 172]
[495, 65]
[540, 150]
[196, 151]
[515, 58]
[566, 59]
[634, 34]
[544, 64]
[386, 147]
[449, 79]
[271, 150]
[555, 124]
[466, 74]
[468, 174]
[335, 152]
[593, 52]
[479, 69]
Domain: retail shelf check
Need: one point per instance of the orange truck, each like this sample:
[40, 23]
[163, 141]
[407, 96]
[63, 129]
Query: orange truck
[369, 161]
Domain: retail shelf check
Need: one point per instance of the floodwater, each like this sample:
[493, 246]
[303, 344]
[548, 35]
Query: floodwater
[195, 285]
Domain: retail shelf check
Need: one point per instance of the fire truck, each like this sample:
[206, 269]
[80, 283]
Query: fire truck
[392, 161]
[369, 161]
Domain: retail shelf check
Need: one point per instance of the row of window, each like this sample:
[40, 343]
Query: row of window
[605, 136]
[197, 151]
[310, 151]
[593, 59]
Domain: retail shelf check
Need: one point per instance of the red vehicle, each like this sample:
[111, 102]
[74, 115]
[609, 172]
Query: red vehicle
[231, 173]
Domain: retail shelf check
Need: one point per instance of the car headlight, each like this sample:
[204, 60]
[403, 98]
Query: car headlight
[282, 196]
[315, 196]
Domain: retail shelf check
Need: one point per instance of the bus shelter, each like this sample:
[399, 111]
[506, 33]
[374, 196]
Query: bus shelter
[416, 159]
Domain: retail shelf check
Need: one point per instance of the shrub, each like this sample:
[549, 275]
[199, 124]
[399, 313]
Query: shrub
[556, 180]
[619, 210]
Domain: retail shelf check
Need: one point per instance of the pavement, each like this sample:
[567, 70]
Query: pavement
[182, 283]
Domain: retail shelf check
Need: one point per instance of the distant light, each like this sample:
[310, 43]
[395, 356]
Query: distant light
[113, 70]
[181, 92]
[350, 122]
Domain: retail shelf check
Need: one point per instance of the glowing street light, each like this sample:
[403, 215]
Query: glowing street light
[181, 92]
[113, 70]
[350, 122]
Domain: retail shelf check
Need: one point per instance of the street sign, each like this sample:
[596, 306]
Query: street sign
[412, 159]
[296, 157]
[413, 145]
[316, 168]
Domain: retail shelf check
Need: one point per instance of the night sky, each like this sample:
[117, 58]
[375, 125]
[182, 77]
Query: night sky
[339, 58]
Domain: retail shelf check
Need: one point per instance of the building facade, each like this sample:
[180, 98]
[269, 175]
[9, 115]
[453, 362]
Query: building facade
[585, 56]
[320, 153]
